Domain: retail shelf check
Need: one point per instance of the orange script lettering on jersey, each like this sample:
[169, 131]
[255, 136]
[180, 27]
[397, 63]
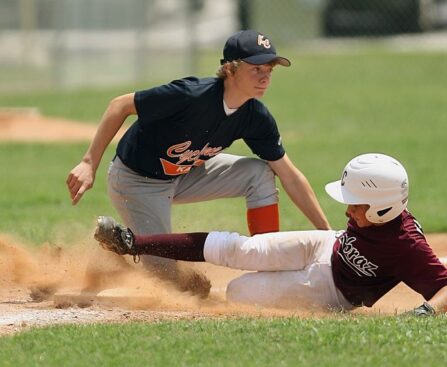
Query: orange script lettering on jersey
[188, 155]
[184, 154]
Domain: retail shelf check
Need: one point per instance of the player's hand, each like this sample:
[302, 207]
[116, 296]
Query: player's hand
[423, 310]
[79, 180]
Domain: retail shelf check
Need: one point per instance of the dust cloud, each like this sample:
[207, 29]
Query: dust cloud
[200, 287]
[47, 269]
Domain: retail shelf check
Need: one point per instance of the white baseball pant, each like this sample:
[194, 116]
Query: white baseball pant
[292, 269]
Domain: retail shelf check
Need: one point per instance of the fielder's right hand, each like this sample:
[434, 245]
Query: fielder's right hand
[79, 180]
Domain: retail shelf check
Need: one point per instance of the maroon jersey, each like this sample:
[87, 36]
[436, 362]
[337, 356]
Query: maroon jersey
[369, 262]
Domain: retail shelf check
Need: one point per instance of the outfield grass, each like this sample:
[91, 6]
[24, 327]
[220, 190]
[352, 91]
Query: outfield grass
[329, 108]
[35, 202]
[340, 341]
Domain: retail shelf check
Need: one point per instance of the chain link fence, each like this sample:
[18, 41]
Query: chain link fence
[292, 20]
[74, 43]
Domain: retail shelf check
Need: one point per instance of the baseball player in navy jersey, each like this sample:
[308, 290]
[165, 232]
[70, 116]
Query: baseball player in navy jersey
[382, 246]
[173, 152]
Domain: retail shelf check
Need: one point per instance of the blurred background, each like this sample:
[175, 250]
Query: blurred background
[80, 43]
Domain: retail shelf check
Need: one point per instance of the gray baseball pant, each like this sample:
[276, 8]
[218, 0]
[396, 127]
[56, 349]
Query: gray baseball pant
[144, 204]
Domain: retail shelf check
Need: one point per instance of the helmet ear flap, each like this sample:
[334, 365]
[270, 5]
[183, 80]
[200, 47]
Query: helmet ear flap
[382, 215]
[375, 215]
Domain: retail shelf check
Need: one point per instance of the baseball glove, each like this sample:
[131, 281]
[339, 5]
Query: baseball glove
[423, 310]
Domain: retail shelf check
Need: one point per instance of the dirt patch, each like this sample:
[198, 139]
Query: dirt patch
[27, 125]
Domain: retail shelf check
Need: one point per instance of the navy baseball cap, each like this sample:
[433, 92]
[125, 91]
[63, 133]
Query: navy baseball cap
[253, 48]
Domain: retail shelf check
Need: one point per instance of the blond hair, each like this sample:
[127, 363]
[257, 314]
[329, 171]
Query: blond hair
[232, 66]
[228, 67]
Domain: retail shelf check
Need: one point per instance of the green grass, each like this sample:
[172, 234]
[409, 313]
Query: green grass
[36, 204]
[329, 108]
[80, 105]
[340, 341]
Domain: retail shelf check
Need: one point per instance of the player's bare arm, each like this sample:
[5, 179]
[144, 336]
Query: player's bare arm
[436, 305]
[82, 177]
[299, 190]
[439, 300]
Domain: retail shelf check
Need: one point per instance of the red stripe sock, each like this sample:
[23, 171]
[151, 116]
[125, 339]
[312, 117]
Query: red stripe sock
[263, 220]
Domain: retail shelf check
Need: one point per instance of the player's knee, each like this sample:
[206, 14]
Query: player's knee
[232, 291]
[258, 169]
[261, 181]
[237, 290]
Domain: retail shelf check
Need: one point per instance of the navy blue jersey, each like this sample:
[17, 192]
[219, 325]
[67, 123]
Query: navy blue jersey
[182, 124]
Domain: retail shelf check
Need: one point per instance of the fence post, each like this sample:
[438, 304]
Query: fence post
[244, 10]
[28, 27]
[194, 7]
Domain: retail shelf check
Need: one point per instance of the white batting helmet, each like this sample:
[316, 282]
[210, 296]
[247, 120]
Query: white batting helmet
[374, 179]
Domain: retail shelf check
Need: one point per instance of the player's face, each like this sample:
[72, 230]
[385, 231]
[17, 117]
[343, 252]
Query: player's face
[358, 213]
[253, 80]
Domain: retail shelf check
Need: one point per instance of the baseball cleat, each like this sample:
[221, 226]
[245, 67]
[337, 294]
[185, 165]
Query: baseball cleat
[114, 237]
